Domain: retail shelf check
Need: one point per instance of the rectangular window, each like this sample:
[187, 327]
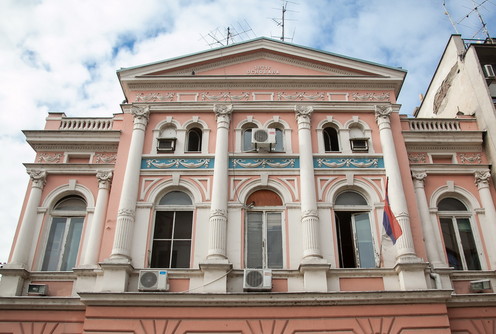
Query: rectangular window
[264, 240]
[459, 243]
[359, 144]
[166, 144]
[172, 239]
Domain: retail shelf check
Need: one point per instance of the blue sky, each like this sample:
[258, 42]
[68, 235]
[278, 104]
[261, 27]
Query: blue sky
[62, 55]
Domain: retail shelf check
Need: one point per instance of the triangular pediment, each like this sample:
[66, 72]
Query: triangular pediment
[261, 57]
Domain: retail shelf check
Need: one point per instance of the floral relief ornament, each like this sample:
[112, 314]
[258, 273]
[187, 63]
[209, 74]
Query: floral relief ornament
[482, 177]
[141, 112]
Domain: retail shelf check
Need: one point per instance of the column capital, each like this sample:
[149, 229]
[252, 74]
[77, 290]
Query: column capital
[419, 177]
[383, 112]
[38, 177]
[303, 115]
[223, 114]
[104, 178]
[482, 178]
[141, 115]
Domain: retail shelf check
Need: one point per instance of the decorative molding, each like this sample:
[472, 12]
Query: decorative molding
[309, 213]
[50, 158]
[126, 213]
[76, 148]
[370, 97]
[419, 176]
[218, 213]
[155, 97]
[300, 96]
[105, 158]
[348, 162]
[264, 163]
[141, 113]
[417, 157]
[303, 111]
[470, 159]
[176, 163]
[227, 96]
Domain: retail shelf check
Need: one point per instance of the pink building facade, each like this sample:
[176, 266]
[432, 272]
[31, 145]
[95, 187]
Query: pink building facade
[241, 190]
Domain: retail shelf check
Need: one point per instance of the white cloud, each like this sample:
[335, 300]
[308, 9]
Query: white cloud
[62, 55]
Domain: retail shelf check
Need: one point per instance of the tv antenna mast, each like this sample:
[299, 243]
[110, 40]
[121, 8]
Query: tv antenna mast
[282, 21]
[464, 21]
[231, 34]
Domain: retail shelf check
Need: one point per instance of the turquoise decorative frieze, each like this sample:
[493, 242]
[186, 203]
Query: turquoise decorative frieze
[264, 163]
[176, 163]
[348, 163]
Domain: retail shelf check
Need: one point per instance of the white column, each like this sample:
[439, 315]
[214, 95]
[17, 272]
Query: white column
[482, 179]
[24, 241]
[310, 218]
[404, 245]
[218, 209]
[432, 243]
[95, 234]
[129, 193]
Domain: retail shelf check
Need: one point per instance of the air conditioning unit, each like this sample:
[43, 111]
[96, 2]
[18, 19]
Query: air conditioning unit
[263, 137]
[37, 290]
[166, 144]
[257, 279]
[489, 71]
[153, 280]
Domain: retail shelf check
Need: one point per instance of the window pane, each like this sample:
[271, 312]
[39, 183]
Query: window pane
[279, 145]
[450, 243]
[331, 143]
[54, 245]
[194, 140]
[451, 204]
[247, 144]
[274, 240]
[350, 198]
[364, 241]
[254, 240]
[161, 254]
[163, 225]
[182, 228]
[72, 244]
[70, 204]
[175, 198]
[180, 254]
[468, 244]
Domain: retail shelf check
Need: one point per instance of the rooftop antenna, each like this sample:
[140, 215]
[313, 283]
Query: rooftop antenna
[282, 21]
[232, 34]
[462, 22]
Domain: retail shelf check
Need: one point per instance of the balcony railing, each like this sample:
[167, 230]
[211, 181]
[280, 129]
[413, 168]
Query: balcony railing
[434, 125]
[86, 124]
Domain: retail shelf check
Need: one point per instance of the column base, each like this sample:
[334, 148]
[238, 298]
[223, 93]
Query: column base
[215, 273]
[12, 281]
[314, 271]
[115, 275]
[86, 278]
[412, 275]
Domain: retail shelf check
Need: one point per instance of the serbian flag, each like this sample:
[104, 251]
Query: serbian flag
[391, 225]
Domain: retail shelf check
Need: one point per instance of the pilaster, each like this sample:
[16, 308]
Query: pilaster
[482, 179]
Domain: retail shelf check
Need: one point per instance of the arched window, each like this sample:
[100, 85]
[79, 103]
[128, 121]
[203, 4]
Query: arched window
[172, 233]
[194, 140]
[331, 142]
[461, 249]
[264, 230]
[356, 246]
[67, 217]
[247, 142]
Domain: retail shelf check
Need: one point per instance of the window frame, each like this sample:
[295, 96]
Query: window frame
[353, 210]
[198, 132]
[65, 249]
[454, 216]
[174, 208]
[265, 211]
[328, 138]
